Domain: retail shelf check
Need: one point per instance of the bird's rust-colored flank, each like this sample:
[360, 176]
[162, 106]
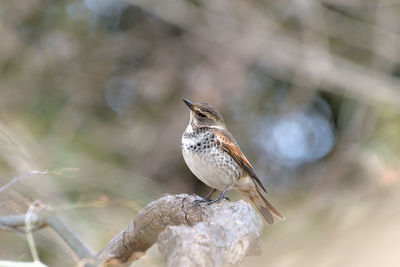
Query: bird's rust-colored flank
[213, 155]
[231, 147]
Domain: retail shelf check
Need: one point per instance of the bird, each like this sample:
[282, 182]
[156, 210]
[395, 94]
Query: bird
[214, 157]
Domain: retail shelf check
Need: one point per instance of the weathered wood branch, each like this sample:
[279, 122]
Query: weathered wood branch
[229, 233]
[187, 234]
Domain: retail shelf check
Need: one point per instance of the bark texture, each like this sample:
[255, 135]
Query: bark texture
[229, 233]
[188, 234]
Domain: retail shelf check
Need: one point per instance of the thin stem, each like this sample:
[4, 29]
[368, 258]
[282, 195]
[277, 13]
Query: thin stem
[30, 217]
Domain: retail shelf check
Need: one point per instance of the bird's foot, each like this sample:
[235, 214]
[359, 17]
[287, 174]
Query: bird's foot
[210, 201]
[205, 199]
[218, 199]
[202, 200]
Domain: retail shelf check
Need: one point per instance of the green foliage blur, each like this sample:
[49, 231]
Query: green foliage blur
[90, 95]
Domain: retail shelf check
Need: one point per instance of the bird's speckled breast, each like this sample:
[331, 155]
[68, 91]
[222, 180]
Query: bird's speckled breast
[207, 160]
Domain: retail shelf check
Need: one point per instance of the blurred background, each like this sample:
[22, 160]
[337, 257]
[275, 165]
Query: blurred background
[91, 91]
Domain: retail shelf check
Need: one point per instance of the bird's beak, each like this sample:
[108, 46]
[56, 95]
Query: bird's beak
[188, 103]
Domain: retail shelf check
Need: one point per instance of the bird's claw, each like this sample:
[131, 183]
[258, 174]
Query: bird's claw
[218, 200]
[202, 200]
[209, 201]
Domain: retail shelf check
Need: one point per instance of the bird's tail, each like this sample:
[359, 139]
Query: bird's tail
[259, 200]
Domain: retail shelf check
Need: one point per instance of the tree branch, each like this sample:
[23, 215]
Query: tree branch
[142, 232]
[186, 233]
[229, 233]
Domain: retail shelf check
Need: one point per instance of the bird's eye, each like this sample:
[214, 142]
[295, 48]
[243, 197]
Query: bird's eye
[201, 114]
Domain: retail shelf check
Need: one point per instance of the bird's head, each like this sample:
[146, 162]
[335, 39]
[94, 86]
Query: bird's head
[204, 115]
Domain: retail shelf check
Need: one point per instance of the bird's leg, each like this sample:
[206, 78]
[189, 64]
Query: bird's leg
[206, 199]
[220, 197]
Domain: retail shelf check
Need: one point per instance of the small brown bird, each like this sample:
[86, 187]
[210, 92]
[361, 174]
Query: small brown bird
[213, 155]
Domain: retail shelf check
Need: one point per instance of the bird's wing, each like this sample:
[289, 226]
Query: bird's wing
[230, 146]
